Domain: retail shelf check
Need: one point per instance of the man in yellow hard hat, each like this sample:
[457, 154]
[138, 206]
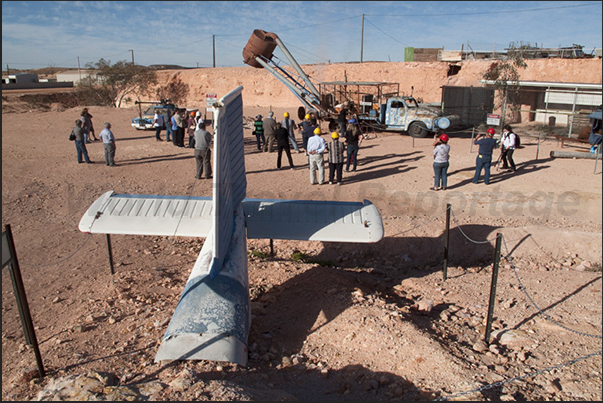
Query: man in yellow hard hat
[289, 125]
[336, 158]
[316, 147]
[307, 127]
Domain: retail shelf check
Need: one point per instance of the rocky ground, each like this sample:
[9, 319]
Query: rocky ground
[330, 321]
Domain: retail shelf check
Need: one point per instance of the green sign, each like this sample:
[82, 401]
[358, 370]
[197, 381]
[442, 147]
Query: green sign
[409, 54]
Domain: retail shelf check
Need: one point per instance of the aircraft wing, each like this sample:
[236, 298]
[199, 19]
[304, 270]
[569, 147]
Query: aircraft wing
[148, 215]
[310, 220]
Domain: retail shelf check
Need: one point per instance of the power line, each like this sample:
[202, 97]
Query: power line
[514, 11]
[303, 26]
[305, 51]
[320, 23]
[384, 33]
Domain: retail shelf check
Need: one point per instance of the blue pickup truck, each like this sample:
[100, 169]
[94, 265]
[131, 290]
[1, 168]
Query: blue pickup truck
[405, 114]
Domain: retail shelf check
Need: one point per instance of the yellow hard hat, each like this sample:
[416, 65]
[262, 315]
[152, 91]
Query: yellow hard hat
[307, 116]
[317, 131]
[334, 135]
[286, 114]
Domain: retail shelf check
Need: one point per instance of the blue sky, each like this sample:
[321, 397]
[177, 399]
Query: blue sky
[37, 34]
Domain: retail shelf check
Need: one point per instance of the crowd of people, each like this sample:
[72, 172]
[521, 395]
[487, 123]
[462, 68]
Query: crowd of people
[281, 137]
[268, 131]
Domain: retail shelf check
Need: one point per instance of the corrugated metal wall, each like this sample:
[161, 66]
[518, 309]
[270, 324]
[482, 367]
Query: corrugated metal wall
[472, 104]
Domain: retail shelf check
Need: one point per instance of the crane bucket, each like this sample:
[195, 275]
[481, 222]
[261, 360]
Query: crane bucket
[261, 43]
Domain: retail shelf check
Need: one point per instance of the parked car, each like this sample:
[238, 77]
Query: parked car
[144, 121]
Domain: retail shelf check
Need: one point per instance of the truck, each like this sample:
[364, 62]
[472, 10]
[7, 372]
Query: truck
[375, 105]
[144, 121]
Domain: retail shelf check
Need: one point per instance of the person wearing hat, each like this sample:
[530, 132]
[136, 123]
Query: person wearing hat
[307, 127]
[282, 144]
[353, 139]
[316, 147]
[106, 135]
[335, 148]
[289, 124]
[269, 125]
[486, 144]
[258, 131]
[191, 126]
[441, 155]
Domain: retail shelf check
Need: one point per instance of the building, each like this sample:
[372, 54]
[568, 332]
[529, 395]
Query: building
[554, 103]
[20, 78]
[74, 75]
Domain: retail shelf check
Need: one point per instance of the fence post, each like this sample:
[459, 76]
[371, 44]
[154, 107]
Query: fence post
[493, 286]
[271, 247]
[446, 242]
[110, 254]
[597, 150]
[538, 148]
[23, 307]
[472, 134]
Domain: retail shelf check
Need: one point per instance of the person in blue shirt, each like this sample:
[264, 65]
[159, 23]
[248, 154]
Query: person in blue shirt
[106, 135]
[484, 158]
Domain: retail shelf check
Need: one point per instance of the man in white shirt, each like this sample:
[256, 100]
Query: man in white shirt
[158, 125]
[316, 147]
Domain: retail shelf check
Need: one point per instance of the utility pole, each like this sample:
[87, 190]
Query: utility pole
[362, 38]
[214, 39]
[132, 50]
[78, 68]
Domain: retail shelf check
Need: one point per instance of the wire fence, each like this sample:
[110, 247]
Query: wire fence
[507, 256]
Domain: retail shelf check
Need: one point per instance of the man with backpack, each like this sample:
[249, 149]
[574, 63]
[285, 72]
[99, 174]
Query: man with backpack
[508, 143]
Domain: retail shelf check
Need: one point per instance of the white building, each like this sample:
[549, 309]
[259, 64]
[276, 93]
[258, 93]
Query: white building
[74, 76]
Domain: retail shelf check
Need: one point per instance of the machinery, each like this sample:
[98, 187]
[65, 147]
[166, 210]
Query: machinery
[376, 105]
[144, 121]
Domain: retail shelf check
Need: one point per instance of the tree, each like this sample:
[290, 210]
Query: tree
[176, 90]
[115, 83]
[505, 75]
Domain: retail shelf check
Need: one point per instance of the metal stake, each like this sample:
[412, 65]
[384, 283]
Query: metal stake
[598, 150]
[110, 253]
[493, 286]
[23, 307]
[472, 134]
[271, 248]
[446, 241]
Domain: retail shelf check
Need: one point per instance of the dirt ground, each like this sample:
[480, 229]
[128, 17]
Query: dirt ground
[347, 321]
